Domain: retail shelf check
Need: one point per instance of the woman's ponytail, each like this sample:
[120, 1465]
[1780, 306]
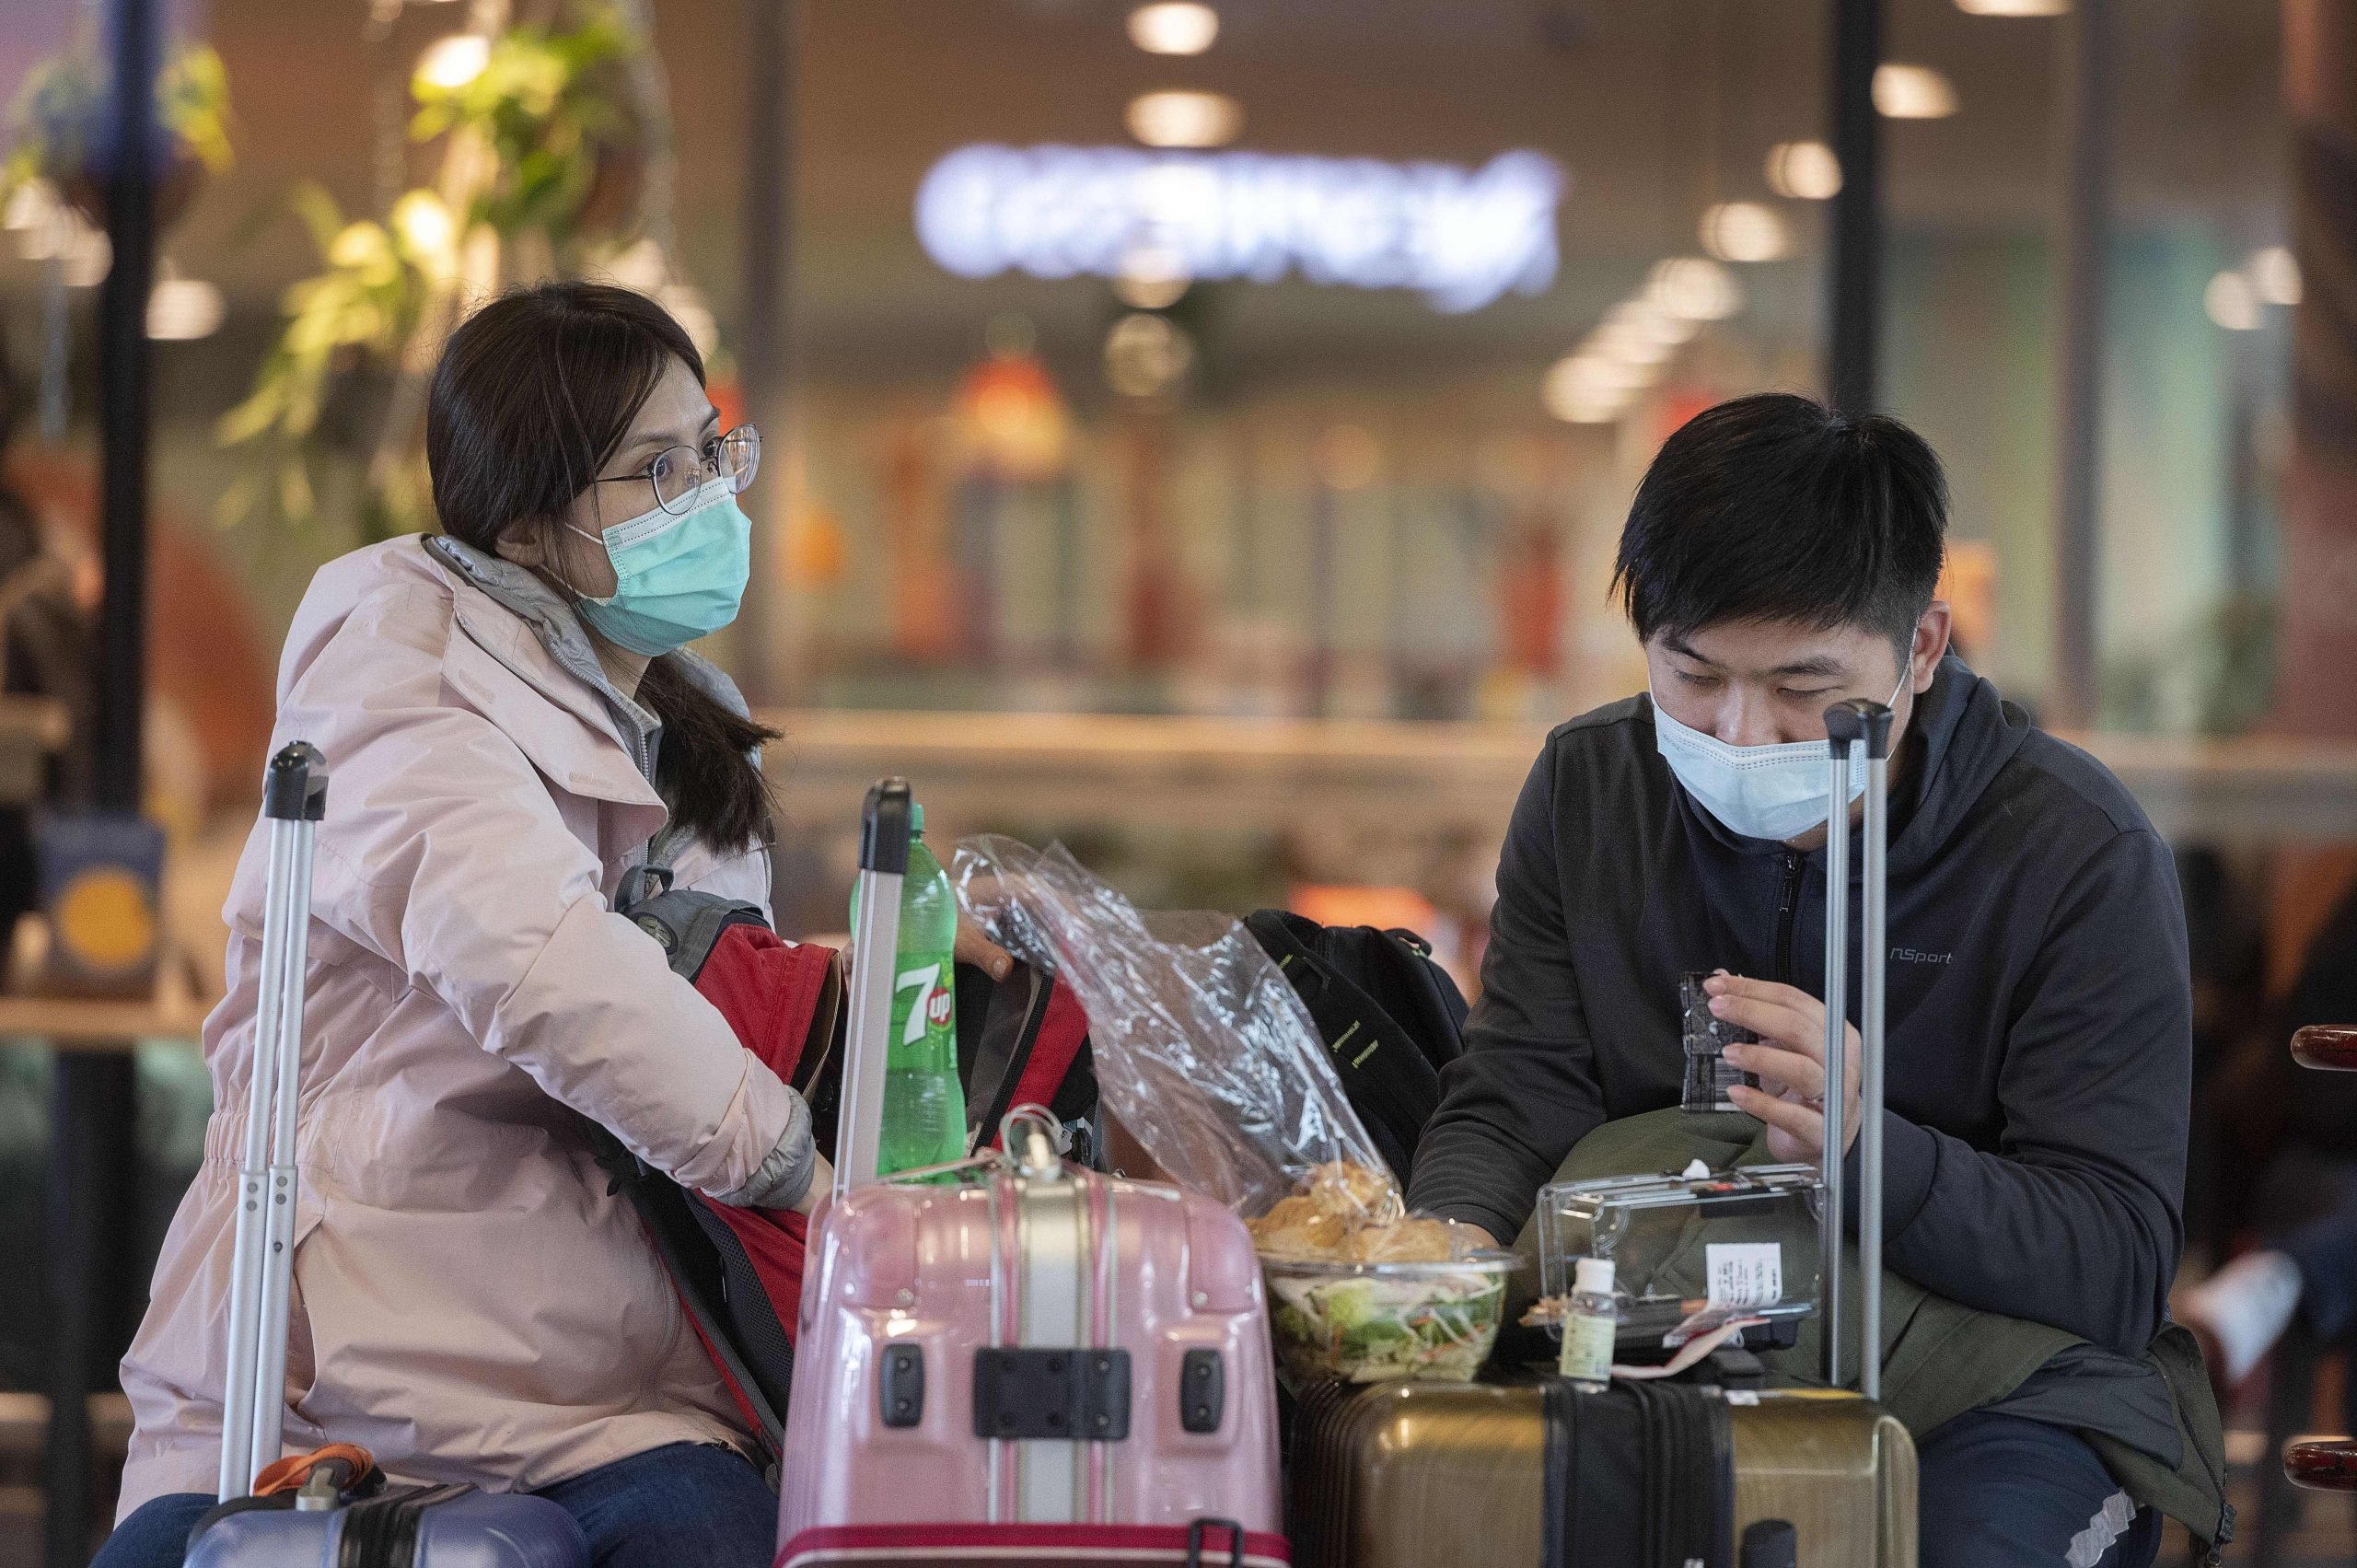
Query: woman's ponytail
[704, 769]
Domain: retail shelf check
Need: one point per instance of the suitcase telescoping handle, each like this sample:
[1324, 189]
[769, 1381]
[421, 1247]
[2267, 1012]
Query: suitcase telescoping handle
[1861, 726]
[293, 798]
[883, 862]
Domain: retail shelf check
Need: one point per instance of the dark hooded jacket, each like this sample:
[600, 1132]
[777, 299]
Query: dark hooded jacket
[2039, 1035]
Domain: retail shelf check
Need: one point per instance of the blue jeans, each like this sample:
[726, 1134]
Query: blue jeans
[2002, 1491]
[679, 1505]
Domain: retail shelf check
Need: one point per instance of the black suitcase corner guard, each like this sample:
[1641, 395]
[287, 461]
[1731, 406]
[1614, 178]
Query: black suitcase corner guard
[1052, 1393]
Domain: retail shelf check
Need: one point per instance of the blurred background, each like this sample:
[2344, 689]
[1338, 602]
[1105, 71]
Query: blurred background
[1198, 432]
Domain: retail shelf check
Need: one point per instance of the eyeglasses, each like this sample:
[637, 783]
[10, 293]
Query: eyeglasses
[677, 472]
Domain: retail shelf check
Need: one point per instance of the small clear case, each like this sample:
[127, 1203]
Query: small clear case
[1690, 1250]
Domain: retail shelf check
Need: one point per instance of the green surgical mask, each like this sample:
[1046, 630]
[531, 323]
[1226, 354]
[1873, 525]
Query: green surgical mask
[676, 577]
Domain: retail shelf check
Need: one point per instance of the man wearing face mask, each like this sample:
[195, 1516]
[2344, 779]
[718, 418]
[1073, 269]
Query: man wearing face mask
[1779, 558]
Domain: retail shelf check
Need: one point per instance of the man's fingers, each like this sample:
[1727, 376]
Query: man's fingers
[1779, 1021]
[1802, 1075]
[1784, 1115]
[973, 947]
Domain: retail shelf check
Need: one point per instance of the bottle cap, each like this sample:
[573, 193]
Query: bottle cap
[1593, 1277]
[916, 817]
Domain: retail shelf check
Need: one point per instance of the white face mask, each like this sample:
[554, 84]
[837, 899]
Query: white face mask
[1758, 792]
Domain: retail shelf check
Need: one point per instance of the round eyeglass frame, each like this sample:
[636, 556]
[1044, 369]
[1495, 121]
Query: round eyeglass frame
[735, 456]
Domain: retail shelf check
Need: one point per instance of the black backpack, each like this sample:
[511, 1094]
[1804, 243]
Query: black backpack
[1391, 1016]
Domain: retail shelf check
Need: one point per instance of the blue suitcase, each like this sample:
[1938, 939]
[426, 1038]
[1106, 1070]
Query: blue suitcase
[402, 1527]
[334, 1520]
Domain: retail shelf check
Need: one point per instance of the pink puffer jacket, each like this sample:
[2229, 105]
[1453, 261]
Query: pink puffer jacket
[470, 1304]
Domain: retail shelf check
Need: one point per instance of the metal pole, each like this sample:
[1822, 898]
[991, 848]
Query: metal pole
[1870, 1030]
[238, 1461]
[287, 1067]
[89, 1190]
[1856, 275]
[2083, 230]
[1837, 1042]
[123, 407]
[766, 355]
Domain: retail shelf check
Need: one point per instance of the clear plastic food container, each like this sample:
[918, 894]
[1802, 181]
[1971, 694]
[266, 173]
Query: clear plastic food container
[1373, 1322]
[1742, 1241]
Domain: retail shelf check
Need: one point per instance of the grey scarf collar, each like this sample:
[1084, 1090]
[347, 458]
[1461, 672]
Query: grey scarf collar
[522, 593]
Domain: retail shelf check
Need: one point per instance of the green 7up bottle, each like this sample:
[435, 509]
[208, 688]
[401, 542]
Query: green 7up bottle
[925, 1105]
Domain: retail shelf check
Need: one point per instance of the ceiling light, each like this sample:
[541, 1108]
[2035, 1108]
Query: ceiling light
[687, 307]
[1914, 92]
[32, 206]
[2275, 276]
[642, 267]
[1185, 119]
[1574, 392]
[2013, 8]
[1647, 315]
[1804, 171]
[2231, 303]
[1697, 289]
[1627, 334]
[87, 255]
[427, 232]
[1152, 277]
[1746, 231]
[180, 310]
[1145, 355]
[1173, 28]
[452, 63]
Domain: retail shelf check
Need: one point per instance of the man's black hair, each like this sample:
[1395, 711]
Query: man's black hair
[1775, 508]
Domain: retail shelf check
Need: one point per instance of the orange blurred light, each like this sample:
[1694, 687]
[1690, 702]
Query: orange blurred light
[1386, 909]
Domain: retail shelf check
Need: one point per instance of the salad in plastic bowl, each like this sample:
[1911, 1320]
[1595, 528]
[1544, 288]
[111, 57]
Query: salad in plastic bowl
[1371, 1322]
[1363, 1292]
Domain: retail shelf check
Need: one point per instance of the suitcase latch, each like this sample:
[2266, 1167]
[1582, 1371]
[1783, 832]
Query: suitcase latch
[1202, 1390]
[899, 1392]
[1030, 1394]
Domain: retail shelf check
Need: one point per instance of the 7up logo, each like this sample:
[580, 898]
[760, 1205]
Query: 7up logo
[929, 1008]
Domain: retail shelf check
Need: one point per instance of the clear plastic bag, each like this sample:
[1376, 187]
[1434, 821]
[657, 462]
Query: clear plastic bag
[1203, 1052]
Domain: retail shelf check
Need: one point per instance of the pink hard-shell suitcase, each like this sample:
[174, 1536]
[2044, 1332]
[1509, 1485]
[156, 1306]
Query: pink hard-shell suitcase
[1026, 1358]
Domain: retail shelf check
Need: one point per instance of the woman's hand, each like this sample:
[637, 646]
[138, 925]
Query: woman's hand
[822, 1181]
[1790, 1061]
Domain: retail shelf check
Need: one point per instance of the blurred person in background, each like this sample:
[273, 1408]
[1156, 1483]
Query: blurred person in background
[513, 725]
[1780, 557]
[2305, 1202]
[46, 650]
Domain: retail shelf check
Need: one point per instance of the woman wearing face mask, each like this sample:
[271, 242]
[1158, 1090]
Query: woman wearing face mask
[512, 725]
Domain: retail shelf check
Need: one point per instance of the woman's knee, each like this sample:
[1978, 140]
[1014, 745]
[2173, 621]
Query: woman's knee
[156, 1533]
[683, 1502]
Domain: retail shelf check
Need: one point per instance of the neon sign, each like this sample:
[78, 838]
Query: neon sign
[1462, 236]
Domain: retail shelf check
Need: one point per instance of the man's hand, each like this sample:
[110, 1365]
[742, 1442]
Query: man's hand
[975, 948]
[1790, 1061]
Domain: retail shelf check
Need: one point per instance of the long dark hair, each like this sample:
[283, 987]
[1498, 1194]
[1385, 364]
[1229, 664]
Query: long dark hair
[533, 394]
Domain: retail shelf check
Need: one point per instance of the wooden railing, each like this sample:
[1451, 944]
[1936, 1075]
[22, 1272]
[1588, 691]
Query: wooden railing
[1446, 776]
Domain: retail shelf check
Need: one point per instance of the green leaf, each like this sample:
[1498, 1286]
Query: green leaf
[249, 418]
